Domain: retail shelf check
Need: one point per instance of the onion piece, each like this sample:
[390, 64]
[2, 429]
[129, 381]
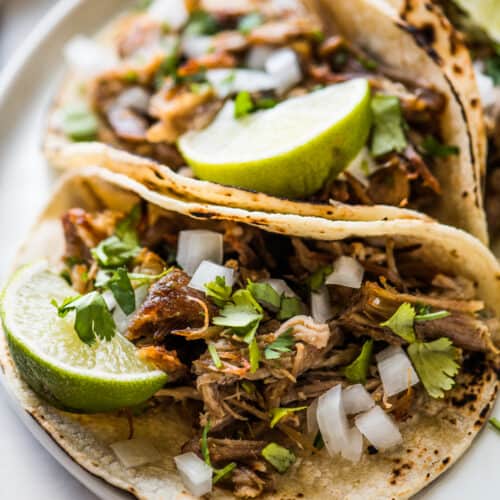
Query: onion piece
[355, 449]
[231, 81]
[108, 297]
[195, 246]
[283, 65]
[195, 473]
[321, 306]
[207, 272]
[135, 452]
[486, 86]
[87, 58]
[135, 98]
[173, 13]
[347, 271]
[258, 56]
[378, 428]
[312, 421]
[396, 371]
[280, 287]
[194, 46]
[356, 399]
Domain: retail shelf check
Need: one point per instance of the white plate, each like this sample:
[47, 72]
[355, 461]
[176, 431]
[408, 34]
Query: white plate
[26, 87]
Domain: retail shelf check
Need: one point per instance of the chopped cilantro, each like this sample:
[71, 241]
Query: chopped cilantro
[201, 23]
[205, 452]
[278, 413]
[430, 316]
[279, 457]
[367, 63]
[318, 277]
[248, 387]
[126, 229]
[290, 307]
[265, 294]
[388, 125]
[141, 279]
[221, 473]
[435, 363]
[114, 252]
[494, 422]
[492, 68]
[247, 23]
[357, 371]
[218, 291]
[79, 122]
[282, 344]
[243, 104]
[254, 354]
[118, 282]
[168, 67]
[432, 147]
[215, 356]
[401, 322]
[237, 316]
[92, 317]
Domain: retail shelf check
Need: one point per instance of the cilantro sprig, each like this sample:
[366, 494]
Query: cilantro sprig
[118, 282]
[432, 147]
[282, 344]
[244, 104]
[357, 371]
[277, 414]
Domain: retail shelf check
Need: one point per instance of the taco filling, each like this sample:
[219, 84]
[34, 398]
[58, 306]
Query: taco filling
[277, 346]
[169, 72]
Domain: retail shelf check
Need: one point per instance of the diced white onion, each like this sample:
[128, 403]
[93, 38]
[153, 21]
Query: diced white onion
[486, 86]
[173, 13]
[194, 46]
[207, 272]
[108, 297]
[395, 370]
[378, 428]
[337, 435]
[362, 166]
[356, 399]
[347, 271]
[87, 58]
[195, 473]
[231, 81]
[258, 56]
[135, 98]
[195, 246]
[321, 306]
[280, 287]
[312, 421]
[283, 65]
[135, 452]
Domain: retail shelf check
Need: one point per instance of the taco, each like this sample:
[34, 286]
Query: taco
[346, 109]
[355, 358]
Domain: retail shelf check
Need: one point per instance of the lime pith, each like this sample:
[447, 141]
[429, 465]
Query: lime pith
[55, 363]
[290, 150]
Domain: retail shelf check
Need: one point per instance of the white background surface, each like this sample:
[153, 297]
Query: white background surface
[27, 471]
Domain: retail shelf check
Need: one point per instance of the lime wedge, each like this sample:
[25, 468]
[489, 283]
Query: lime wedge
[56, 363]
[289, 150]
[485, 13]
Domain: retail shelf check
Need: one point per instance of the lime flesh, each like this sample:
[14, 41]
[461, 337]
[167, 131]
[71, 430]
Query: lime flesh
[290, 150]
[485, 13]
[53, 360]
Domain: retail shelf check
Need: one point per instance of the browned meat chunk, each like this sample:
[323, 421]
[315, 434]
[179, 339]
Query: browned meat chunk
[164, 360]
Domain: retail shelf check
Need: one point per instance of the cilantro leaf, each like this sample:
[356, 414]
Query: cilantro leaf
[279, 457]
[492, 68]
[141, 279]
[215, 356]
[247, 23]
[290, 307]
[265, 294]
[201, 23]
[114, 252]
[430, 316]
[237, 316]
[357, 371]
[317, 279]
[278, 413]
[243, 104]
[282, 344]
[119, 283]
[218, 291]
[435, 363]
[79, 123]
[401, 322]
[168, 67]
[388, 125]
[205, 452]
[92, 317]
[432, 147]
[254, 355]
[126, 229]
[494, 422]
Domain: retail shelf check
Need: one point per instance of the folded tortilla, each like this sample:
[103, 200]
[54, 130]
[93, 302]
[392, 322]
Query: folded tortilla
[418, 43]
[432, 442]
